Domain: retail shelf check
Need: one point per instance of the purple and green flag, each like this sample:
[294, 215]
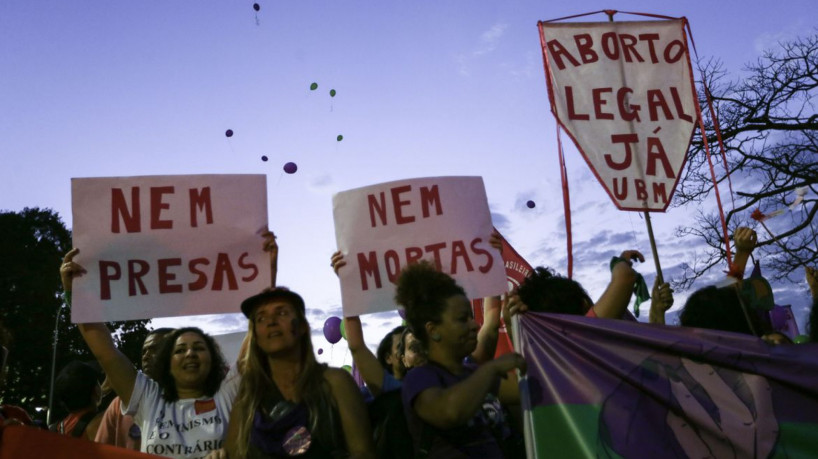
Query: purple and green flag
[619, 389]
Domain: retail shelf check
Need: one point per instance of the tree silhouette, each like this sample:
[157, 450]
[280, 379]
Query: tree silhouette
[769, 128]
[32, 244]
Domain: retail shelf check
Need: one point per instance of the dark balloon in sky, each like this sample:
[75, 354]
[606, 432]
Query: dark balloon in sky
[264, 158]
[530, 204]
[320, 351]
[332, 93]
[290, 168]
[256, 6]
[339, 138]
[228, 133]
[313, 86]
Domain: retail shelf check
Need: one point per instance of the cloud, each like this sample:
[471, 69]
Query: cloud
[500, 221]
[320, 183]
[489, 39]
[488, 42]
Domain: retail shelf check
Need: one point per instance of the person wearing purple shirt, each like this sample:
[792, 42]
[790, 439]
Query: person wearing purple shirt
[452, 407]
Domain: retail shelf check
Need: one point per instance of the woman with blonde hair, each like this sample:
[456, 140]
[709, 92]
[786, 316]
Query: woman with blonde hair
[289, 404]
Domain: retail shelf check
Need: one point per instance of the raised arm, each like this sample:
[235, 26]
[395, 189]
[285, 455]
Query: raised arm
[271, 247]
[489, 331]
[614, 300]
[745, 241]
[367, 363]
[661, 300]
[352, 410]
[453, 406]
[120, 371]
[812, 281]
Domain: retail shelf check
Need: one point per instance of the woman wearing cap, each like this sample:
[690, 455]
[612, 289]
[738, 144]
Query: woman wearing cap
[289, 404]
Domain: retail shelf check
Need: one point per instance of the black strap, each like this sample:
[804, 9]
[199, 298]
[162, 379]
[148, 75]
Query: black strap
[79, 429]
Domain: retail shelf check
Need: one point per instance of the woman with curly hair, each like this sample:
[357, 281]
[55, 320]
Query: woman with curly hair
[452, 406]
[184, 411]
[289, 404]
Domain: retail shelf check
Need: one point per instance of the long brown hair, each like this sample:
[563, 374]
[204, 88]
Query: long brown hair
[257, 380]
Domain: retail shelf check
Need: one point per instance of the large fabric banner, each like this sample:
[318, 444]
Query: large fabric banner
[623, 91]
[382, 228]
[516, 271]
[618, 389]
[165, 246]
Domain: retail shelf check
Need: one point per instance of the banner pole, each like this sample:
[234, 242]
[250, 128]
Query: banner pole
[653, 249]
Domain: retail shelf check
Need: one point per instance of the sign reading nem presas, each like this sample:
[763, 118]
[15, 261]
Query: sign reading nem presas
[382, 228]
[165, 246]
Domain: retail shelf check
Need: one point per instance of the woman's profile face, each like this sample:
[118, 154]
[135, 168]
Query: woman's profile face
[457, 327]
[412, 351]
[190, 361]
[277, 327]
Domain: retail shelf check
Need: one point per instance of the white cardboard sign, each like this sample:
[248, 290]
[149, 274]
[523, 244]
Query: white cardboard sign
[382, 228]
[165, 246]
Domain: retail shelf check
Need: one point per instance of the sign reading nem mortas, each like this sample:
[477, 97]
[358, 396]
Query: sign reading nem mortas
[624, 93]
[165, 246]
[382, 228]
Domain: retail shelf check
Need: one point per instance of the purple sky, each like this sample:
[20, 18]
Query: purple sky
[424, 88]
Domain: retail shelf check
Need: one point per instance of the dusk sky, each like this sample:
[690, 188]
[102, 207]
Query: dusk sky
[93, 88]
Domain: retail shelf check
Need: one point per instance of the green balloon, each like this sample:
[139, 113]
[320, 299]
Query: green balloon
[343, 329]
[313, 86]
[332, 93]
[347, 368]
[339, 138]
[801, 339]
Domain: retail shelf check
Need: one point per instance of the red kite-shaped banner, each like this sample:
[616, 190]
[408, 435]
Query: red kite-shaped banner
[624, 92]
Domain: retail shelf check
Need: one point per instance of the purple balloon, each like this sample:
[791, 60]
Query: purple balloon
[264, 158]
[228, 133]
[320, 351]
[530, 204]
[290, 168]
[332, 329]
[402, 313]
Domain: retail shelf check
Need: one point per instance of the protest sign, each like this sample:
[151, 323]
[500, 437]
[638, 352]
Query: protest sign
[164, 246]
[624, 93]
[382, 228]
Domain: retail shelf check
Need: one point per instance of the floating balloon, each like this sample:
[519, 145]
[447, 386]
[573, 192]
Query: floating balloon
[347, 368]
[402, 313]
[332, 329]
[332, 93]
[313, 86]
[343, 330]
[256, 6]
[228, 133]
[530, 204]
[290, 168]
[264, 158]
[320, 351]
[339, 138]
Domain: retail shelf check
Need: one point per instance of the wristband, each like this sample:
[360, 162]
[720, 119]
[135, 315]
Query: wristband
[616, 260]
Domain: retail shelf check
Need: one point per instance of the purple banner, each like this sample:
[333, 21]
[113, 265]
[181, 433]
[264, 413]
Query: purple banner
[612, 388]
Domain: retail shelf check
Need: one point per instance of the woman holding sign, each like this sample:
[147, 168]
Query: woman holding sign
[452, 407]
[185, 410]
[288, 403]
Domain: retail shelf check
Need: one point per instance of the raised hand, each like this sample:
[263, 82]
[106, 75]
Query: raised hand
[70, 269]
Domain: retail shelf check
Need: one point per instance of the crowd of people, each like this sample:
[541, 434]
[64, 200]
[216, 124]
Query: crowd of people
[435, 379]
